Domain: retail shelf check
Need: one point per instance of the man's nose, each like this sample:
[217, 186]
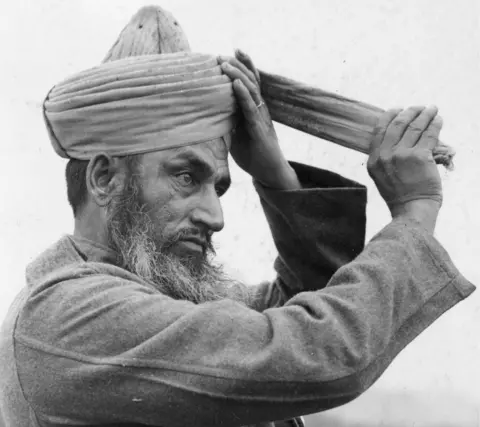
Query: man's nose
[208, 211]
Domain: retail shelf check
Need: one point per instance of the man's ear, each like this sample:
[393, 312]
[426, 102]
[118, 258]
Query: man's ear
[104, 178]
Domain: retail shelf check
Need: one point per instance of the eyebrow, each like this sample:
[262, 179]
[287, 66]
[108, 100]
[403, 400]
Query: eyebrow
[202, 165]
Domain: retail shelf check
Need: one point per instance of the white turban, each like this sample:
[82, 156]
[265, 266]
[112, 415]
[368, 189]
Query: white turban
[141, 104]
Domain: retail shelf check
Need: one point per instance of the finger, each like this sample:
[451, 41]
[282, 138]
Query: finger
[415, 129]
[234, 73]
[429, 138]
[250, 111]
[381, 127]
[236, 63]
[398, 125]
[242, 56]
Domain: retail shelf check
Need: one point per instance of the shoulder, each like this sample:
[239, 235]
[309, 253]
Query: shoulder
[61, 269]
[65, 293]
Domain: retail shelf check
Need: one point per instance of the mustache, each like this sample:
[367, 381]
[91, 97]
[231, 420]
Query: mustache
[195, 234]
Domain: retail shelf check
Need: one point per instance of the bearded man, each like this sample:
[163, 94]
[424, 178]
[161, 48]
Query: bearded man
[129, 322]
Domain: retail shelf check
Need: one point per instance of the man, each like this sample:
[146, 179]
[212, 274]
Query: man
[129, 322]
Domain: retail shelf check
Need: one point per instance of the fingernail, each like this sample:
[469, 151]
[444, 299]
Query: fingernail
[225, 65]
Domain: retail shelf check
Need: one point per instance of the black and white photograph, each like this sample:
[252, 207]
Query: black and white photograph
[239, 213]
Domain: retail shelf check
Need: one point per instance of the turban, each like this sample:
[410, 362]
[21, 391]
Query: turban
[140, 104]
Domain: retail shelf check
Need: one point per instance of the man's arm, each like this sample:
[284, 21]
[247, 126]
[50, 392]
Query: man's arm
[100, 349]
[316, 230]
[317, 218]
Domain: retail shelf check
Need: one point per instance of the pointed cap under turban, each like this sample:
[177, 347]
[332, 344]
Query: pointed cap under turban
[140, 104]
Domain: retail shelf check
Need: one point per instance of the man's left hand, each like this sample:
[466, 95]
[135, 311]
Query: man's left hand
[255, 146]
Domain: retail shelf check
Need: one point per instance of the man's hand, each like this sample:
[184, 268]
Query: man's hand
[402, 166]
[255, 146]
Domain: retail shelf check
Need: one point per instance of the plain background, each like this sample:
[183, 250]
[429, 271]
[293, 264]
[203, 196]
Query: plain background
[387, 53]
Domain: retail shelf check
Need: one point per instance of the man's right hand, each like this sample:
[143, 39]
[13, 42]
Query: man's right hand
[402, 165]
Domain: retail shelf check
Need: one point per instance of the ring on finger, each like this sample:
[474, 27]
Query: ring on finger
[260, 104]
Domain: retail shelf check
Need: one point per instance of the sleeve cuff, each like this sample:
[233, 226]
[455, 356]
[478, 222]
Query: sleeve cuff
[315, 229]
[438, 255]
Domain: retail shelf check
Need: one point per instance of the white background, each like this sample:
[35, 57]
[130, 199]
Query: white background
[388, 53]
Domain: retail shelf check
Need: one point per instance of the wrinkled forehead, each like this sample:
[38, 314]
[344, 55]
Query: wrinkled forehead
[215, 151]
[212, 155]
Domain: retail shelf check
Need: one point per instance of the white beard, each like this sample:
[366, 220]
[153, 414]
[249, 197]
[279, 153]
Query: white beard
[130, 231]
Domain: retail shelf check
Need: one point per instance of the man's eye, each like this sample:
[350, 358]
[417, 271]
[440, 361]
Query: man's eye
[185, 179]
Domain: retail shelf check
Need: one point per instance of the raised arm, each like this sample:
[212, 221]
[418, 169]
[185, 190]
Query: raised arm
[100, 348]
[317, 218]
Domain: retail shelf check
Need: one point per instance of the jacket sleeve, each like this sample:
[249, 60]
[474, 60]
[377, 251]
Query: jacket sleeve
[102, 349]
[316, 230]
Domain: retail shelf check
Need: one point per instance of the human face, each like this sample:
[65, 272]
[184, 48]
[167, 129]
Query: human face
[161, 222]
[181, 189]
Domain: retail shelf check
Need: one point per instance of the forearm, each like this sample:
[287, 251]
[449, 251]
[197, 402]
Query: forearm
[285, 179]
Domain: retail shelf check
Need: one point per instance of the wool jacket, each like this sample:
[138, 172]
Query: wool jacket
[86, 343]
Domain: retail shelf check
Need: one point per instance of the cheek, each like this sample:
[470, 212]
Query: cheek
[170, 217]
[167, 209]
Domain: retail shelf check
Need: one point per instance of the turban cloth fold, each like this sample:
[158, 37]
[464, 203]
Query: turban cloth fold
[140, 104]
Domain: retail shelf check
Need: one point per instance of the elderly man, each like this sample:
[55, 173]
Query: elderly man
[129, 322]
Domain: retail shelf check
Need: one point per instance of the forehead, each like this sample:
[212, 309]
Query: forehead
[212, 153]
